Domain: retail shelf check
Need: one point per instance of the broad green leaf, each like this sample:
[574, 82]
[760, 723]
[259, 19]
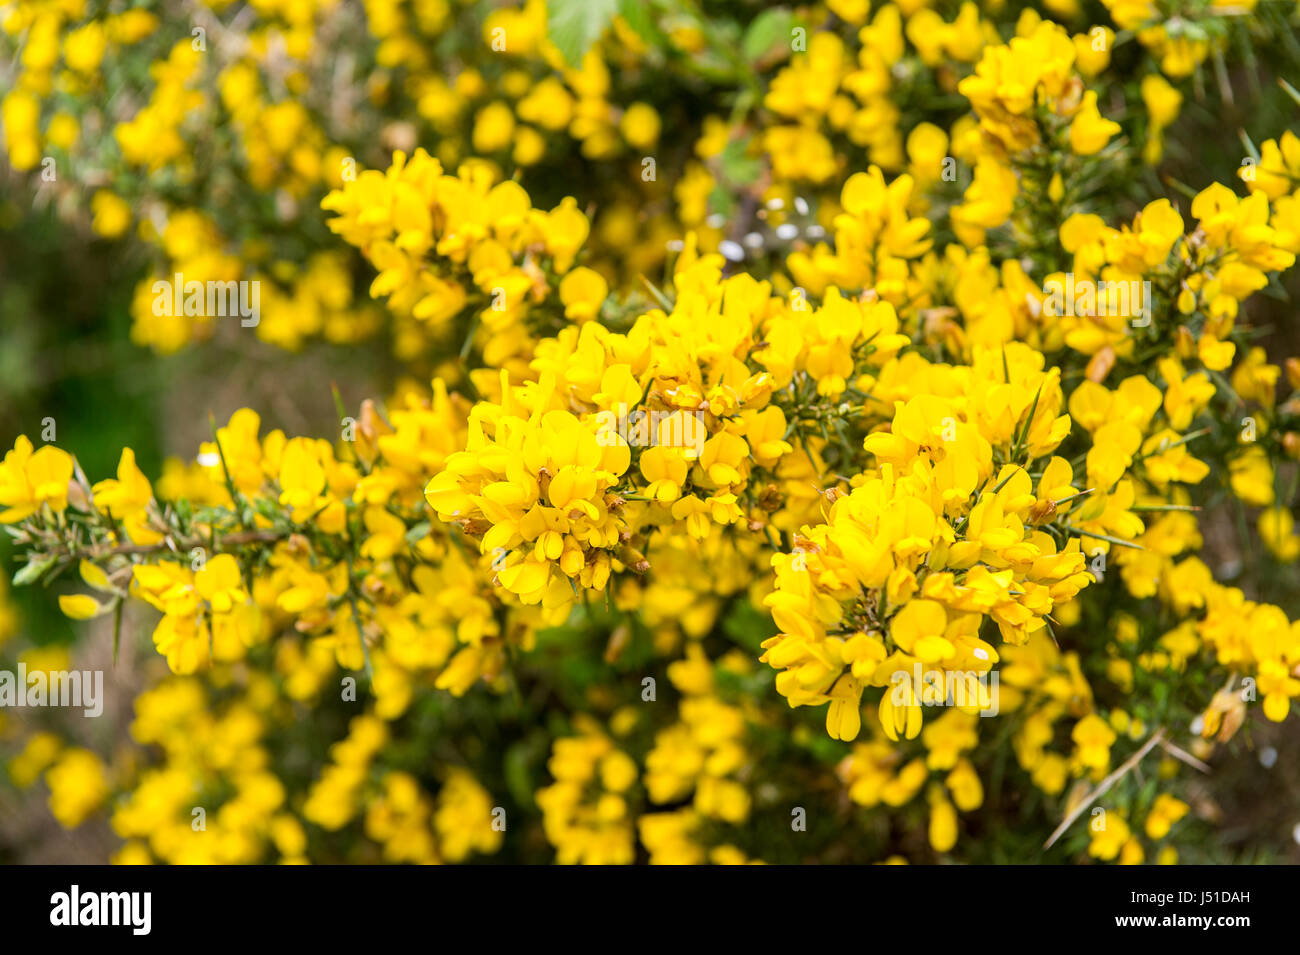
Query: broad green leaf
[639, 16]
[767, 30]
[574, 25]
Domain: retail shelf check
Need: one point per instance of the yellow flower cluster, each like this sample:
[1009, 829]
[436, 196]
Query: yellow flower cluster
[497, 253]
[585, 812]
[947, 530]
[922, 416]
[702, 751]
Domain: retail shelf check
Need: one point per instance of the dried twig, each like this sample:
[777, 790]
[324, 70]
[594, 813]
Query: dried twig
[1178, 753]
[1105, 785]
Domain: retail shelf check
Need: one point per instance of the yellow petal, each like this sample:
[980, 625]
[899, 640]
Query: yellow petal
[81, 607]
[94, 575]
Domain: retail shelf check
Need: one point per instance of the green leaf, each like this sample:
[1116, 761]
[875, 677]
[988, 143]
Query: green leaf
[1248, 144]
[721, 202]
[637, 13]
[417, 533]
[739, 168]
[518, 771]
[574, 25]
[1289, 90]
[767, 30]
[32, 571]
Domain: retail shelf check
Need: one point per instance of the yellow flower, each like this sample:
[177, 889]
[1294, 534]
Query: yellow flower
[83, 48]
[583, 291]
[29, 481]
[1165, 811]
[1090, 131]
[63, 131]
[1278, 172]
[220, 584]
[1278, 687]
[127, 499]
[1109, 834]
[640, 125]
[464, 819]
[112, 214]
[1251, 477]
[1093, 739]
[902, 717]
[1162, 100]
[1092, 50]
[844, 715]
[943, 821]
[494, 126]
[1277, 531]
[78, 786]
[41, 751]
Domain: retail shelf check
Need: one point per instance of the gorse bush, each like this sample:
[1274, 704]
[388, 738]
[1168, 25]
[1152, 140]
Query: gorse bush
[857, 432]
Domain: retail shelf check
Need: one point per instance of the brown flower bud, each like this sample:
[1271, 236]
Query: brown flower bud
[618, 641]
[770, 498]
[1042, 512]
[1100, 365]
[1293, 372]
[78, 498]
